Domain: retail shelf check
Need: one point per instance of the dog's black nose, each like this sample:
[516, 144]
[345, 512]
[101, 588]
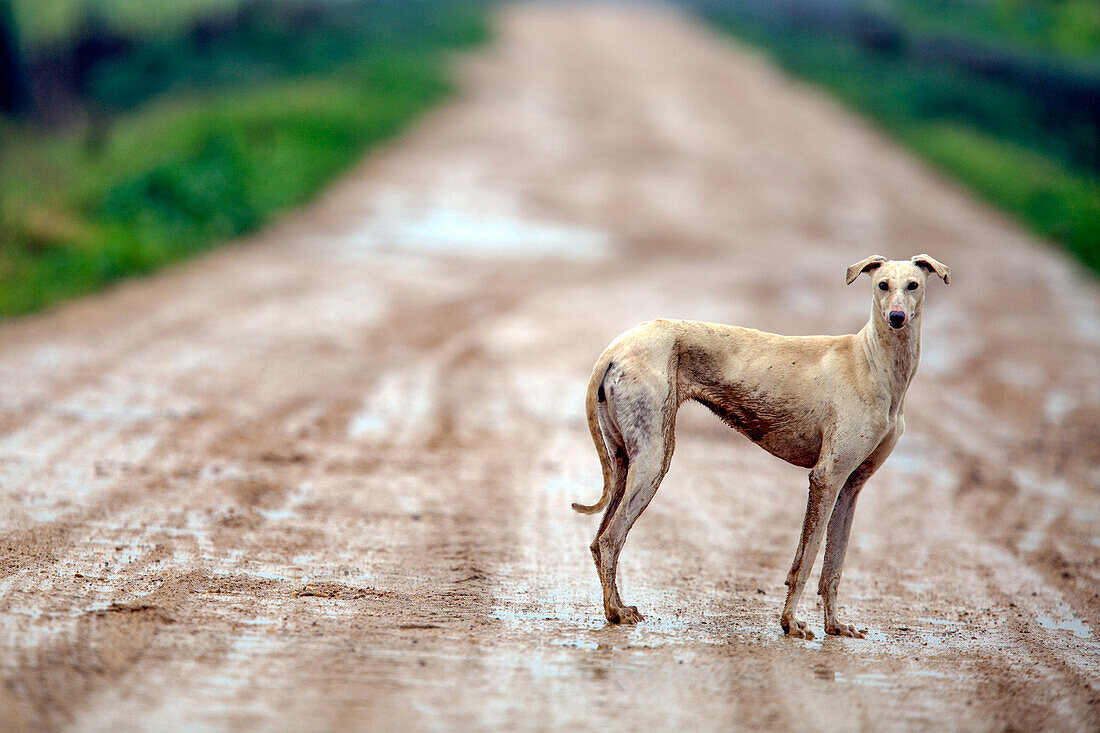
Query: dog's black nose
[897, 319]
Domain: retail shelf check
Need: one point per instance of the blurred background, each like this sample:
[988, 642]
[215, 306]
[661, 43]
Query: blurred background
[321, 479]
[130, 137]
[1002, 94]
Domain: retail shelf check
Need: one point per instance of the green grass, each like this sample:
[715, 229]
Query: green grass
[1053, 201]
[44, 21]
[184, 173]
[1065, 27]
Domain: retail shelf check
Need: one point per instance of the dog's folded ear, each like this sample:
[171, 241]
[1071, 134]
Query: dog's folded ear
[927, 263]
[864, 266]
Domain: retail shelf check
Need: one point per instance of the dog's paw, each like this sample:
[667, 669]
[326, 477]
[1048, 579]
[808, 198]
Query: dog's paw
[845, 630]
[624, 615]
[797, 630]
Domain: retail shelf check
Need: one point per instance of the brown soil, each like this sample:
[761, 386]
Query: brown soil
[321, 479]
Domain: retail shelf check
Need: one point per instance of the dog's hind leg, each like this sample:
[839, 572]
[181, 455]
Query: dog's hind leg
[615, 472]
[649, 445]
[643, 477]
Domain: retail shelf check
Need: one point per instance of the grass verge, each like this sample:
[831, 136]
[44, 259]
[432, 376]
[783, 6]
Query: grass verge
[1040, 190]
[185, 173]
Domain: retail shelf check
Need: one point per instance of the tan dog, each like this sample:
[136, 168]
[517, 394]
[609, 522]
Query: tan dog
[833, 404]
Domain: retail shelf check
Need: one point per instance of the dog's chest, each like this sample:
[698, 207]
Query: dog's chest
[785, 433]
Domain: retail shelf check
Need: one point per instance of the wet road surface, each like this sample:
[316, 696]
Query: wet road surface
[321, 478]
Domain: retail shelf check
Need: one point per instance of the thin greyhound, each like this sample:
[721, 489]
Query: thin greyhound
[833, 404]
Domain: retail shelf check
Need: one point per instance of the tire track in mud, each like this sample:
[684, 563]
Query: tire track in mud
[236, 458]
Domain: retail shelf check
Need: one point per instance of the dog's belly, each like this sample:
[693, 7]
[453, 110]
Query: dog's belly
[785, 435]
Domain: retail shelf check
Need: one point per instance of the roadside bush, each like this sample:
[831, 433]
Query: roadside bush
[191, 169]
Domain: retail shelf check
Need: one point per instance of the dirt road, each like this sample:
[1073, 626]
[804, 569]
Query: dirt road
[322, 479]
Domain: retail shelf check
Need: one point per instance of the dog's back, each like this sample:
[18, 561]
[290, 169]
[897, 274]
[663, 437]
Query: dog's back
[766, 386]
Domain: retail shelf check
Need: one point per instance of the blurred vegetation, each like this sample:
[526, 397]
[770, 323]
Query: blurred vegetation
[1070, 27]
[1002, 94]
[46, 21]
[175, 134]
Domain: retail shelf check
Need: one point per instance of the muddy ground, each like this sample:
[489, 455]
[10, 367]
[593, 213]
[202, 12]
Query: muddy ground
[321, 479]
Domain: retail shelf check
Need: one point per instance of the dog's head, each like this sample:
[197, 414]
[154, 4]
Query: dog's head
[899, 285]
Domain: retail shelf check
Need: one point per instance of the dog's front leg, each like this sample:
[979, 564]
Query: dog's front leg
[840, 528]
[826, 479]
[822, 497]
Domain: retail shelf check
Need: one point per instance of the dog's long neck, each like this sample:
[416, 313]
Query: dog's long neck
[892, 354]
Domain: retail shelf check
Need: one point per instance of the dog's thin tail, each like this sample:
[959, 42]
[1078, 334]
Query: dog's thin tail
[594, 396]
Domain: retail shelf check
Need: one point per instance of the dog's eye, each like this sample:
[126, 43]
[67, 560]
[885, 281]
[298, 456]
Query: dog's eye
[913, 286]
[883, 286]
